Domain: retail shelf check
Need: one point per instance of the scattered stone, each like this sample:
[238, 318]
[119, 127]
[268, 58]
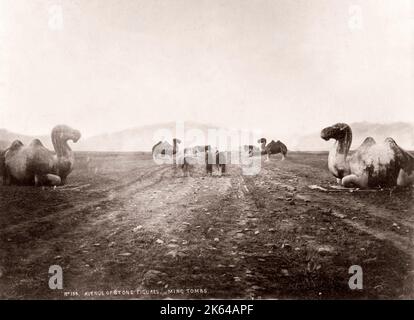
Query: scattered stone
[96, 244]
[257, 232]
[125, 254]
[58, 257]
[216, 239]
[286, 246]
[325, 249]
[256, 287]
[338, 215]
[159, 241]
[137, 228]
[172, 253]
[152, 277]
[303, 197]
[271, 230]
[316, 187]
[111, 244]
[394, 225]
[237, 279]
[285, 272]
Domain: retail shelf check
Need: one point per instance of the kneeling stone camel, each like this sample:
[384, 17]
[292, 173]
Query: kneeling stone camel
[272, 148]
[34, 164]
[371, 165]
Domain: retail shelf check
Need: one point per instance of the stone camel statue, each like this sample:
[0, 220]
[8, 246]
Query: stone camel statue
[371, 165]
[35, 164]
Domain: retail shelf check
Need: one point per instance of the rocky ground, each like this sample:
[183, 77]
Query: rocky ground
[125, 227]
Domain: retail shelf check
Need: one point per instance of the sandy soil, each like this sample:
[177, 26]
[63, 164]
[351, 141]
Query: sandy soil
[124, 223]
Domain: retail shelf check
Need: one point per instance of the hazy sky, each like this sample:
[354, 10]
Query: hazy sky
[280, 66]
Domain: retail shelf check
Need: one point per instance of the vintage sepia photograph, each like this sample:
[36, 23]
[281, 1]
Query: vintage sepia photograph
[206, 149]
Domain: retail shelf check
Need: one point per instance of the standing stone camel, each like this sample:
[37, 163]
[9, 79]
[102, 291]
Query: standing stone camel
[215, 157]
[175, 150]
[34, 164]
[272, 148]
[371, 165]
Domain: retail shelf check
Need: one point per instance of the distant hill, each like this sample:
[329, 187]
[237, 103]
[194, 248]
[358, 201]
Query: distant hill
[402, 132]
[143, 138]
[7, 137]
[133, 139]
[140, 138]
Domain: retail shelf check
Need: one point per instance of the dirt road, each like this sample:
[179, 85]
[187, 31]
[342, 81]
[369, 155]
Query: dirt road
[124, 223]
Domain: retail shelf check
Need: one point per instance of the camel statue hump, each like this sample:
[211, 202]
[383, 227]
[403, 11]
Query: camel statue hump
[368, 142]
[36, 143]
[391, 142]
[16, 145]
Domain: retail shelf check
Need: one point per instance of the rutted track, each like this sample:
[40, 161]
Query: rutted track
[235, 236]
[345, 203]
[121, 191]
